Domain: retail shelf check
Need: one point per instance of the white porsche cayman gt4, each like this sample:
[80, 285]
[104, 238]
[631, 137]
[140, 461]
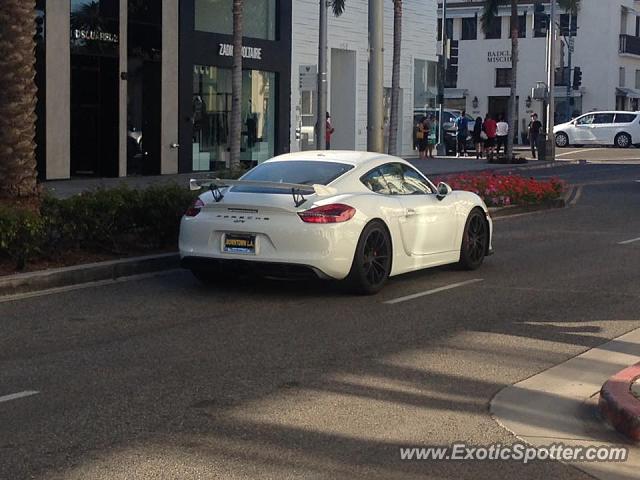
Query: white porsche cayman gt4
[356, 217]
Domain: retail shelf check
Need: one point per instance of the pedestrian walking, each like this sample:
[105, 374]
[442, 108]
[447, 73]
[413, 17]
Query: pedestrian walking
[477, 135]
[502, 134]
[432, 137]
[329, 132]
[422, 134]
[490, 128]
[535, 126]
[462, 132]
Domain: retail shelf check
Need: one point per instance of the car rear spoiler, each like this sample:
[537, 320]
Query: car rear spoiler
[297, 190]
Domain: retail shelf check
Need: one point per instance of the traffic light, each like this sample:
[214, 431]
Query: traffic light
[451, 72]
[540, 19]
[577, 78]
[454, 52]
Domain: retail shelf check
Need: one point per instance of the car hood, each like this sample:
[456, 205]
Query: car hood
[560, 127]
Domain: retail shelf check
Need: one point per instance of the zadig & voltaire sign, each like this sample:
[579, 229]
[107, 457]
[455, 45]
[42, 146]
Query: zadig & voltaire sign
[253, 53]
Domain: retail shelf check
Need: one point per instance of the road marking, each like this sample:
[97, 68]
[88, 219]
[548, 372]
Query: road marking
[577, 151]
[431, 292]
[16, 396]
[576, 197]
[626, 242]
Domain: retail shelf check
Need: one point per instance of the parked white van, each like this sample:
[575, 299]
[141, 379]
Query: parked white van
[621, 129]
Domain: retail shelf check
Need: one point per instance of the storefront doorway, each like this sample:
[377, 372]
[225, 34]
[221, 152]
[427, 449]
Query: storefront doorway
[499, 108]
[94, 87]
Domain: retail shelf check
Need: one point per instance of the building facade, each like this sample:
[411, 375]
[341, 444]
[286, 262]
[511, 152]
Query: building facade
[143, 87]
[348, 71]
[602, 41]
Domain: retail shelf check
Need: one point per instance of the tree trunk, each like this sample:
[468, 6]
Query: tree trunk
[512, 119]
[18, 177]
[395, 77]
[235, 130]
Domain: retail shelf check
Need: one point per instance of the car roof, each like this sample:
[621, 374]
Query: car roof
[608, 111]
[350, 157]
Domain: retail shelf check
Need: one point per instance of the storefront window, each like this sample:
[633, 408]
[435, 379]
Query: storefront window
[215, 16]
[94, 86]
[212, 116]
[425, 83]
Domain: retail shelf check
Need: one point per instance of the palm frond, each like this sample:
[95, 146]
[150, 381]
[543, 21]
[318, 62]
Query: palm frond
[489, 13]
[572, 6]
[338, 7]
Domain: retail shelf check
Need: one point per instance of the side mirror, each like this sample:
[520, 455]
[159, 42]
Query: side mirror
[443, 190]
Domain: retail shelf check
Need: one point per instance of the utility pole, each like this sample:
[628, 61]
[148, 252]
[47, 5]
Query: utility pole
[569, 68]
[551, 80]
[375, 114]
[441, 148]
[321, 121]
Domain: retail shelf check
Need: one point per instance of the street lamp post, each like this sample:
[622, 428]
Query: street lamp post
[375, 112]
[321, 121]
[441, 148]
[551, 80]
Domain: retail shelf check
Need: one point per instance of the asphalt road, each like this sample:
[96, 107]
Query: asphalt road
[600, 154]
[163, 378]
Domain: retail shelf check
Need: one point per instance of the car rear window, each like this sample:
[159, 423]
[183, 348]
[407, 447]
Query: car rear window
[625, 117]
[305, 172]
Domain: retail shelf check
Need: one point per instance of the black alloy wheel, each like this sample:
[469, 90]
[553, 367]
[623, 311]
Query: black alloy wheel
[475, 240]
[372, 261]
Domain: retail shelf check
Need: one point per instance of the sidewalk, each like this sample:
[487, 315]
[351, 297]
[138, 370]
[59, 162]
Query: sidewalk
[437, 166]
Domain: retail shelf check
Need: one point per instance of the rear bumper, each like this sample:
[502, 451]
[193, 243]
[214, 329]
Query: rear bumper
[258, 268]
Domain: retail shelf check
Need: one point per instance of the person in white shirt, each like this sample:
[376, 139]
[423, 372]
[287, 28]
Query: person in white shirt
[502, 133]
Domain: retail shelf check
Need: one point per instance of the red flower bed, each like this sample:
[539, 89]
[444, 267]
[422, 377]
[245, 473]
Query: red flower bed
[502, 190]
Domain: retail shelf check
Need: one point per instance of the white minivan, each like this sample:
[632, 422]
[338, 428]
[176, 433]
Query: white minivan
[621, 129]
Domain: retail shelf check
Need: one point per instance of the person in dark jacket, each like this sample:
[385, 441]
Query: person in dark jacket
[477, 137]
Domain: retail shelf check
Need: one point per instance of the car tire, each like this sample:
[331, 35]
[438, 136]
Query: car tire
[622, 140]
[475, 240]
[372, 260]
[562, 140]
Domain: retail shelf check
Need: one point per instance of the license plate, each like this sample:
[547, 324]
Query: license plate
[237, 243]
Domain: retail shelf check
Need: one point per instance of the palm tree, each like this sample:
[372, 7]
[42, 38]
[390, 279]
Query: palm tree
[18, 177]
[235, 130]
[489, 15]
[395, 76]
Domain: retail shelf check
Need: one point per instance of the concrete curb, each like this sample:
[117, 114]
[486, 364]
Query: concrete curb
[498, 212]
[619, 406]
[78, 274]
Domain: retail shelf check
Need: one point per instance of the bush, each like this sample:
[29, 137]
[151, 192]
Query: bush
[502, 190]
[22, 235]
[119, 220]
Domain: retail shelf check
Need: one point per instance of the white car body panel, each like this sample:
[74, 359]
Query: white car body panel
[424, 231]
[581, 133]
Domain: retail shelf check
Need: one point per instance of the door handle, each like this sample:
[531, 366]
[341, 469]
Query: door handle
[410, 212]
[174, 145]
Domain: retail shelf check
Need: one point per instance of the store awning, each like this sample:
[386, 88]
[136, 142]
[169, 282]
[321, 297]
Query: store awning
[453, 93]
[627, 92]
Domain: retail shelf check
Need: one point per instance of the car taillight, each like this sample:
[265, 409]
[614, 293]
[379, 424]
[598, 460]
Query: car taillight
[334, 213]
[194, 209]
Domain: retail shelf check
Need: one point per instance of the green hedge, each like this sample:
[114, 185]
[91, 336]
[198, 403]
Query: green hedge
[118, 221]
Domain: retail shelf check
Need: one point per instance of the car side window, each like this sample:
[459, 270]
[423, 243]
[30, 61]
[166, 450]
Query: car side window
[625, 118]
[414, 183]
[586, 120]
[603, 118]
[374, 181]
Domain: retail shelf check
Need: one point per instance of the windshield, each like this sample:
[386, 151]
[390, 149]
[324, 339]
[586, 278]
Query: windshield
[305, 172]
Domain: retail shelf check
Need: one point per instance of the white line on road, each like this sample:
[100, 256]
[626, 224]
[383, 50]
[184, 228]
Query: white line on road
[577, 151]
[431, 292]
[16, 396]
[577, 196]
[626, 242]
